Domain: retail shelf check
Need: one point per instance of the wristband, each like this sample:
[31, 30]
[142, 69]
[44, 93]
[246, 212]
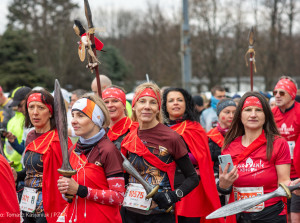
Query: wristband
[82, 191]
[224, 191]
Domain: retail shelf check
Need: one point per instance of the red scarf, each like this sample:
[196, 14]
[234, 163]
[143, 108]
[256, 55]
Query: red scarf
[256, 144]
[204, 197]
[92, 176]
[134, 144]
[215, 135]
[48, 145]
[9, 203]
[120, 128]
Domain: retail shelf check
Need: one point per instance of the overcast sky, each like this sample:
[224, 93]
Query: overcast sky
[109, 4]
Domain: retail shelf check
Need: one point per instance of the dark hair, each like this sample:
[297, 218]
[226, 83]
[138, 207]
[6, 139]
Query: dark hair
[216, 88]
[79, 92]
[237, 127]
[190, 112]
[47, 98]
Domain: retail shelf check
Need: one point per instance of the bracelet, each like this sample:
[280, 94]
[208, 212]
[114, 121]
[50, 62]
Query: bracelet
[224, 191]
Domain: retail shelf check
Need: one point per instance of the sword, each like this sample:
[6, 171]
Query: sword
[150, 189]
[244, 205]
[62, 128]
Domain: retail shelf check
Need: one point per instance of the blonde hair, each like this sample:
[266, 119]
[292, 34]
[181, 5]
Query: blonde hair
[139, 89]
[98, 101]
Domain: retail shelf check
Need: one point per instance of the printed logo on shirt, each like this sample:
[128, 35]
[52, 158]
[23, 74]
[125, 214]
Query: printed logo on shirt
[250, 166]
[284, 130]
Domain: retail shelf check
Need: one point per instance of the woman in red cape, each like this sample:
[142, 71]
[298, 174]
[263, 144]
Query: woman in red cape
[9, 206]
[155, 150]
[261, 158]
[115, 101]
[225, 112]
[178, 107]
[42, 158]
[98, 187]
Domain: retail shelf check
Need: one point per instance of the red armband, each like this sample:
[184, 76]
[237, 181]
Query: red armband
[112, 196]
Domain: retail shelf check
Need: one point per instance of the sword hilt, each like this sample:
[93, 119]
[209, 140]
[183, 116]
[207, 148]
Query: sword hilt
[289, 189]
[154, 191]
[68, 174]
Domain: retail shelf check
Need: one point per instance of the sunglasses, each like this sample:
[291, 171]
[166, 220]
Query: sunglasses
[281, 93]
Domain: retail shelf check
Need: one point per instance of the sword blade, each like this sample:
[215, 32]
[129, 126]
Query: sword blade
[62, 128]
[132, 171]
[244, 205]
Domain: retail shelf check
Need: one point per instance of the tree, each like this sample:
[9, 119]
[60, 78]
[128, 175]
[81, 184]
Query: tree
[18, 61]
[114, 65]
[53, 39]
[211, 43]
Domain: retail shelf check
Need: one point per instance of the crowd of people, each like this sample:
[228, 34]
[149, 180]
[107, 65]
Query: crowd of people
[171, 142]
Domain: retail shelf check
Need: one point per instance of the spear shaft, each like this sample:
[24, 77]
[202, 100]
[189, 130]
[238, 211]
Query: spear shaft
[91, 32]
[251, 53]
[251, 70]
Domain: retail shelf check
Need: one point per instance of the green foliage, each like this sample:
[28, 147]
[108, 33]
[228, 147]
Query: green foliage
[114, 65]
[52, 38]
[17, 60]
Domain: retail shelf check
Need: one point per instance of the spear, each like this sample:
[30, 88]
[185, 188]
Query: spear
[91, 33]
[251, 53]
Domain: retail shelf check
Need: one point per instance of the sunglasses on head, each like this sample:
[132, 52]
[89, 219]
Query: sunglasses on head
[281, 93]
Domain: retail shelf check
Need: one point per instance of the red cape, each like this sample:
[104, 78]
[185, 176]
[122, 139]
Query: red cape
[257, 143]
[120, 128]
[216, 137]
[99, 45]
[204, 199]
[48, 145]
[134, 144]
[93, 176]
[9, 205]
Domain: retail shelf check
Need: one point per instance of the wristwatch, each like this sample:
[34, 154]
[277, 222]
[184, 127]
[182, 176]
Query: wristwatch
[179, 193]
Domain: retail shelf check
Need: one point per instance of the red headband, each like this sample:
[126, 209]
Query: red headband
[252, 101]
[288, 86]
[147, 92]
[114, 93]
[38, 97]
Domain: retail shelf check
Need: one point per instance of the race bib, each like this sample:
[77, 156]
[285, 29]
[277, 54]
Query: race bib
[62, 216]
[29, 198]
[241, 193]
[135, 197]
[292, 147]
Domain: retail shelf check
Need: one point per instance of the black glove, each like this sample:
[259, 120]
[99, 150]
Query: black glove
[165, 199]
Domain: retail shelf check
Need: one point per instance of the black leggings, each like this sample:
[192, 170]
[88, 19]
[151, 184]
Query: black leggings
[182, 219]
[132, 217]
[268, 215]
